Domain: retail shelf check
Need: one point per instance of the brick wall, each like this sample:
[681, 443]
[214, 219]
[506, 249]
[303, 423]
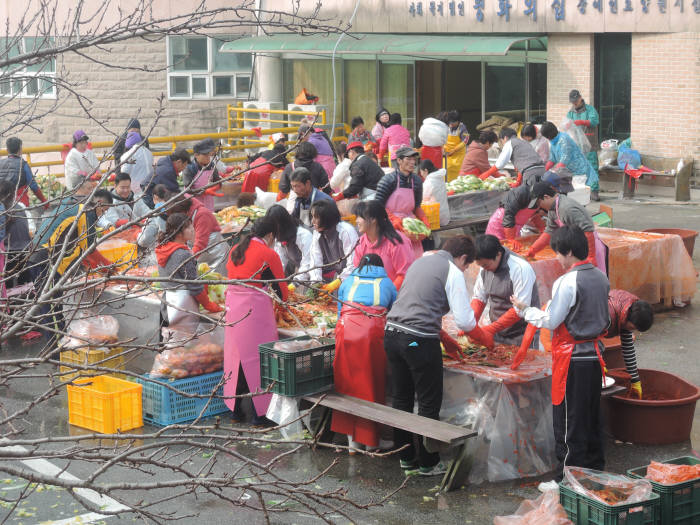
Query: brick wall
[570, 59]
[116, 95]
[666, 95]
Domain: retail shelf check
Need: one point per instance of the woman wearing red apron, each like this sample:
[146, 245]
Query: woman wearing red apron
[401, 192]
[360, 362]
[562, 211]
[202, 172]
[250, 317]
[578, 315]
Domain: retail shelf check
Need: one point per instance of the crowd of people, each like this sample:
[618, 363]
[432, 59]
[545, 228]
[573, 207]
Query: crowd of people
[394, 287]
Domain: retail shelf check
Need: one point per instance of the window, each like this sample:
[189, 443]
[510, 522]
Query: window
[35, 79]
[613, 84]
[397, 89]
[197, 69]
[505, 91]
[537, 92]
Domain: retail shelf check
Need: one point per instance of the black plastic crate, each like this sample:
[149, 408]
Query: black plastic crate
[300, 372]
[680, 502]
[583, 510]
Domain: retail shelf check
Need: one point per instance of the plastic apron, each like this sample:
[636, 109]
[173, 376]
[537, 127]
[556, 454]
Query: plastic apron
[453, 163]
[562, 349]
[203, 178]
[182, 309]
[401, 203]
[495, 225]
[359, 367]
[250, 321]
[601, 249]
[215, 253]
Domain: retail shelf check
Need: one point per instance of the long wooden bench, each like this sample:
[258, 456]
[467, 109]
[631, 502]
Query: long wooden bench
[451, 435]
[659, 182]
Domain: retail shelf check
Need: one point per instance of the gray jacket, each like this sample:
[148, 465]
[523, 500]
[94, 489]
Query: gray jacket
[181, 265]
[571, 213]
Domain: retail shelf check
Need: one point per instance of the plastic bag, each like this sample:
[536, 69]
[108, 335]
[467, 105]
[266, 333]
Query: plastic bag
[266, 199]
[669, 474]
[187, 355]
[545, 510]
[576, 133]
[94, 330]
[628, 158]
[606, 487]
[433, 132]
[607, 156]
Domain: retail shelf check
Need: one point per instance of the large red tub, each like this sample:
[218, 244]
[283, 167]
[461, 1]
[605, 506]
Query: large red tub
[655, 421]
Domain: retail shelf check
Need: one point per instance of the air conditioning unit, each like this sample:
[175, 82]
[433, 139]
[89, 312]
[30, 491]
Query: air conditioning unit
[310, 110]
[257, 120]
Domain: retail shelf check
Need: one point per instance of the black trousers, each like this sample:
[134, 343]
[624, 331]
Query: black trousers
[416, 371]
[578, 430]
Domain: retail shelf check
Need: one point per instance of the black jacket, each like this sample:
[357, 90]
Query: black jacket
[387, 186]
[515, 200]
[164, 174]
[364, 173]
[319, 177]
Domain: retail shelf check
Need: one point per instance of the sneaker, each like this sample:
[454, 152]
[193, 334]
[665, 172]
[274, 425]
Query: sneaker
[546, 486]
[409, 464]
[436, 470]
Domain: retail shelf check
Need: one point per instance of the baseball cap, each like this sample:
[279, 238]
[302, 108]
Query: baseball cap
[538, 191]
[574, 95]
[80, 135]
[355, 144]
[561, 184]
[406, 151]
[204, 146]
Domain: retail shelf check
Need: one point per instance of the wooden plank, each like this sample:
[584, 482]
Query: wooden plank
[437, 430]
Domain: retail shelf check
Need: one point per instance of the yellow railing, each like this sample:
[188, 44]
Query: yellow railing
[238, 116]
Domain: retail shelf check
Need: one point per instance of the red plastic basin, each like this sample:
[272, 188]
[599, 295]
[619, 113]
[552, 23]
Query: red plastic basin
[650, 422]
[688, 236]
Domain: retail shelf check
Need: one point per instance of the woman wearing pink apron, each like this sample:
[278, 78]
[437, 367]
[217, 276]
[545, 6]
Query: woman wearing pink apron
[250, 315]
[202, 172]
[403, 202]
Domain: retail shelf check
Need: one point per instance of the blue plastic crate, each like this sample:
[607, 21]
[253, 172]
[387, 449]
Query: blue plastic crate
[164, 407]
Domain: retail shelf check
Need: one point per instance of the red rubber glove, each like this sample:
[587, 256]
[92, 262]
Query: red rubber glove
[582, 122]
[451, 346]
[420, 214]
[40, 195]
[518, 181]
[96, 259]
[591, 247]
[96, 176]
[549, 165]
[488, 173]
[203, 299]
[507, 320]
[478, 308]
[112, 177]
[538, 222]
[451, 192]
[257, 131]
[338, 196]
[280, 196]
[522, 351]
[396, 222]
[398, 281]
[541, 242]
[560, 165]
[229, 169]
[510, 235]
[214, 191]
[121, 222]
[480, 337]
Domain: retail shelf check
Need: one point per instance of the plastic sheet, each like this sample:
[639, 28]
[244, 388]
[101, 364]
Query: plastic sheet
[576, 133]
[187, 356]
[669, 474]
[607, 156]
[94, 329]
[477, 204]
[545, 510]
[606, 487]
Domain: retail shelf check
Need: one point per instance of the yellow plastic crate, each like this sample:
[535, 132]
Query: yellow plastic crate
[350, 218]
[104, 357]
[122, 253]
[273, 186]
[105, 404]
[432, 212]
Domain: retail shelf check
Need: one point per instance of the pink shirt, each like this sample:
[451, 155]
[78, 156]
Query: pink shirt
[396, 257]
[394, 137]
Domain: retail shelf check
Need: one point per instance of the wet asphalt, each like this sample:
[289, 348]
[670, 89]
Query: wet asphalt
[671, 345]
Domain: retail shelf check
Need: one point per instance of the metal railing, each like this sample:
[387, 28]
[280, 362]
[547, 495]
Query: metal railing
[239, 116]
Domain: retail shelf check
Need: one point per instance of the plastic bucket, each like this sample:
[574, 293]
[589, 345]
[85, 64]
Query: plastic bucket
[688, 236]
[651, 422]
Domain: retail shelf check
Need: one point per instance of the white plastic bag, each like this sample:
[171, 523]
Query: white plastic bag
[433, 132]
[576, 133]
[267, 199]
[607, 156]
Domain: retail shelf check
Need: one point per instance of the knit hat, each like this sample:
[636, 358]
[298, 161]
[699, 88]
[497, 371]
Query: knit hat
[134, 123]
[132, 138]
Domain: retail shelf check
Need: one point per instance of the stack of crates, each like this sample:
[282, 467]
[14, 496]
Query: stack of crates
[273, 185]
[100, 357]
[104, 404]
[163, 406]
[583, 510]
[680, 502]
[432, 212]
[297, 373]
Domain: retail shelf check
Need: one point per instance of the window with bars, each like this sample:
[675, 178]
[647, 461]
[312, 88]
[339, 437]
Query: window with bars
[32, 76]
[198, 70]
